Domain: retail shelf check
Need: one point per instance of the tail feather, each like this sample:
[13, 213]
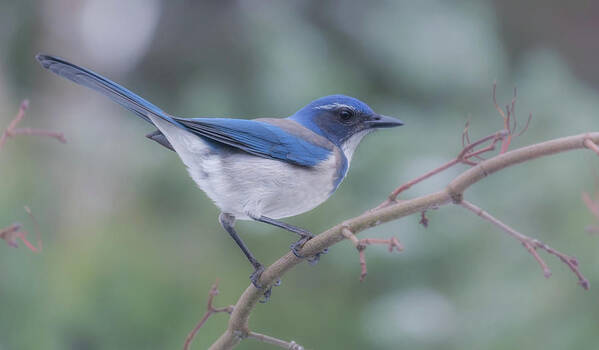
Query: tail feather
[106, 87]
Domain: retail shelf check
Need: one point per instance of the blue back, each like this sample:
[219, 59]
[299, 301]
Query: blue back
[259, 138]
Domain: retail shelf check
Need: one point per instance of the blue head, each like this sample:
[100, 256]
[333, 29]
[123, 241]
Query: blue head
[343, 120]
[339, 117]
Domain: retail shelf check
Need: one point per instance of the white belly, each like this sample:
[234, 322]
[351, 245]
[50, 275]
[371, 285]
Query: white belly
[242, 184]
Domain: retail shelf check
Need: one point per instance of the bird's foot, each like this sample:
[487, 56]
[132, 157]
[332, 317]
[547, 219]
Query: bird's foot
[295, 247]
[316, 258]
[255, 276]
[268, 292]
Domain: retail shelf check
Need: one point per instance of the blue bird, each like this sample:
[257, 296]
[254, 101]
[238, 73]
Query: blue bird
[263, 169]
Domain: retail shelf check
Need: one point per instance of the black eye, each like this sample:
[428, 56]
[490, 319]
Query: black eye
[346, 114]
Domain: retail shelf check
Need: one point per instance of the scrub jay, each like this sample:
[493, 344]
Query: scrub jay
[263, 169]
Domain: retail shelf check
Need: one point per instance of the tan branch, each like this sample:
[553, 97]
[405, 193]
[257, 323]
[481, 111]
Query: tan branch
[210, 310]
[238, 323]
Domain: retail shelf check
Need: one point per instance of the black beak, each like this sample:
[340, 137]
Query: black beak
[381, 121]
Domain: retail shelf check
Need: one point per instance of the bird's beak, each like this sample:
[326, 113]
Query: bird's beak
[382, 121]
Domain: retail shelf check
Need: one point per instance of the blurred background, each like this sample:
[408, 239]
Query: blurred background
[131, 247]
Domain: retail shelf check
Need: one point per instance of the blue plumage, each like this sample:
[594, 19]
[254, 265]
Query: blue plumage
[258, 138]
[262, 169]
[254, 137]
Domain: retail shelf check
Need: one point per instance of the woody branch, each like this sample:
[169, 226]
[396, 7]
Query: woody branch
[454, 192]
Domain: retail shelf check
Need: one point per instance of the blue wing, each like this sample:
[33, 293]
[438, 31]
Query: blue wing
[259, 138]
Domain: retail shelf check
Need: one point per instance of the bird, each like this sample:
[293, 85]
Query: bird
[263, 169]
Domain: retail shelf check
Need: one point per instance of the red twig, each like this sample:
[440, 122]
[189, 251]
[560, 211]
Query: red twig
[210, 310]
[591, 204]
[591, 145]
[12, 130]
[463, 157]
[13, 233]
[593, 207]
[468, 152]
[361, 244]
[506, 118]
[531, 245]
[423, 219]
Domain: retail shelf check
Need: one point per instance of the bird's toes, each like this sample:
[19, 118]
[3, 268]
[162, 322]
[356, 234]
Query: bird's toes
[295, 247]
[316, 258]
[267, 295]
[255, 276]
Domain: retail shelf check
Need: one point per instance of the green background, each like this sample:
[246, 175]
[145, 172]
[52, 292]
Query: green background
[131, 246]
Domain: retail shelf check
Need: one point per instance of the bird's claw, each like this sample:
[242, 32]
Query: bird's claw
[255, 276]
[295, 247]
[316, 258]
[268, 292]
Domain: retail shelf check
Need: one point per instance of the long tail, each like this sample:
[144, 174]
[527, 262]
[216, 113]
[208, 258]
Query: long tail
[114, 91]
[104, 86]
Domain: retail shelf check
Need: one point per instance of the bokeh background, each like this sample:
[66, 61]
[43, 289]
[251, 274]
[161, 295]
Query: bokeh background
[131, 247]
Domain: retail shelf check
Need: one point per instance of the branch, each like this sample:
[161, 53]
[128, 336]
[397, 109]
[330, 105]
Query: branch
[361, 244]
[274, 341]
[453, 193]
[463, 157]
[593, 207]
[504, 136]
[12, 130]
[13, 232]
[210, 310]
[531, 245]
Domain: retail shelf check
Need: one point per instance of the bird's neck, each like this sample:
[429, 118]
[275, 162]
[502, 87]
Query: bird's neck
[349, 146]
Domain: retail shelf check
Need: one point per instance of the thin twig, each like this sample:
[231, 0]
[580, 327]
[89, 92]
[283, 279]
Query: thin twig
[504, 136]
[13, 233]
[13, 124]
[423, 219]
[525, 126]
[463, 157]
[11, 130]
[530, 244]
[38, 234]
[591, 205]
[210, 310]
[39, 132]
[591, 145]
[275, 341]
[361, 244]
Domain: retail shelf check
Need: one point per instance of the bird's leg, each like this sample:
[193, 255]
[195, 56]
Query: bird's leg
[227, 221]
[304, 236]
